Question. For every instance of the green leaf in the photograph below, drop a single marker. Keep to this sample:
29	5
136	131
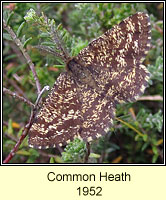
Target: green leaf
145	145
9	18
155	157
59	66
27	41
30	15
94	155
154	149
52	160
20	29
43	35
10	57
20	132
58	159
23	153
145	137
74	151
48	44
10	128
6	36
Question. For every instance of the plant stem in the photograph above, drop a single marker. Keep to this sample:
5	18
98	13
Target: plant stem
13	94
24	52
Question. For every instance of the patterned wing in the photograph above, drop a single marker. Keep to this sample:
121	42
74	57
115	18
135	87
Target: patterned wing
83	99
60	118
117	56
97	112
69	111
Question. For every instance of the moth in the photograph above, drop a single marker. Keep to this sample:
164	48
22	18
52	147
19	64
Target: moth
107	72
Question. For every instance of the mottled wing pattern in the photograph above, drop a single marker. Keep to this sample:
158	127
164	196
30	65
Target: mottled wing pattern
117	56
83	100
97	111
60	117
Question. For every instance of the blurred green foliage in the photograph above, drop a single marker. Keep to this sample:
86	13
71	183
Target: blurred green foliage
74	152
77	24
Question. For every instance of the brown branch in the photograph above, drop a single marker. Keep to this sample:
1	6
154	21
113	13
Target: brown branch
158	29
26	128
87	153
17	51
13	94
13	83
38	11
24	134
5	123
102	157
24	52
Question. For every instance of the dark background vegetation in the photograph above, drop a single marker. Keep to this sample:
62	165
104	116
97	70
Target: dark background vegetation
82	22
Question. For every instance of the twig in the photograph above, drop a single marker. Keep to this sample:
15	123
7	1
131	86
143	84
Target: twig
25	130
24	52
59	43
13	83
11	137
59	148
131	110
102	157
46	154
41	93
158	29
38	9
17	52
151	98
49	50
5	123
87	153
13	94
24	134
130	126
